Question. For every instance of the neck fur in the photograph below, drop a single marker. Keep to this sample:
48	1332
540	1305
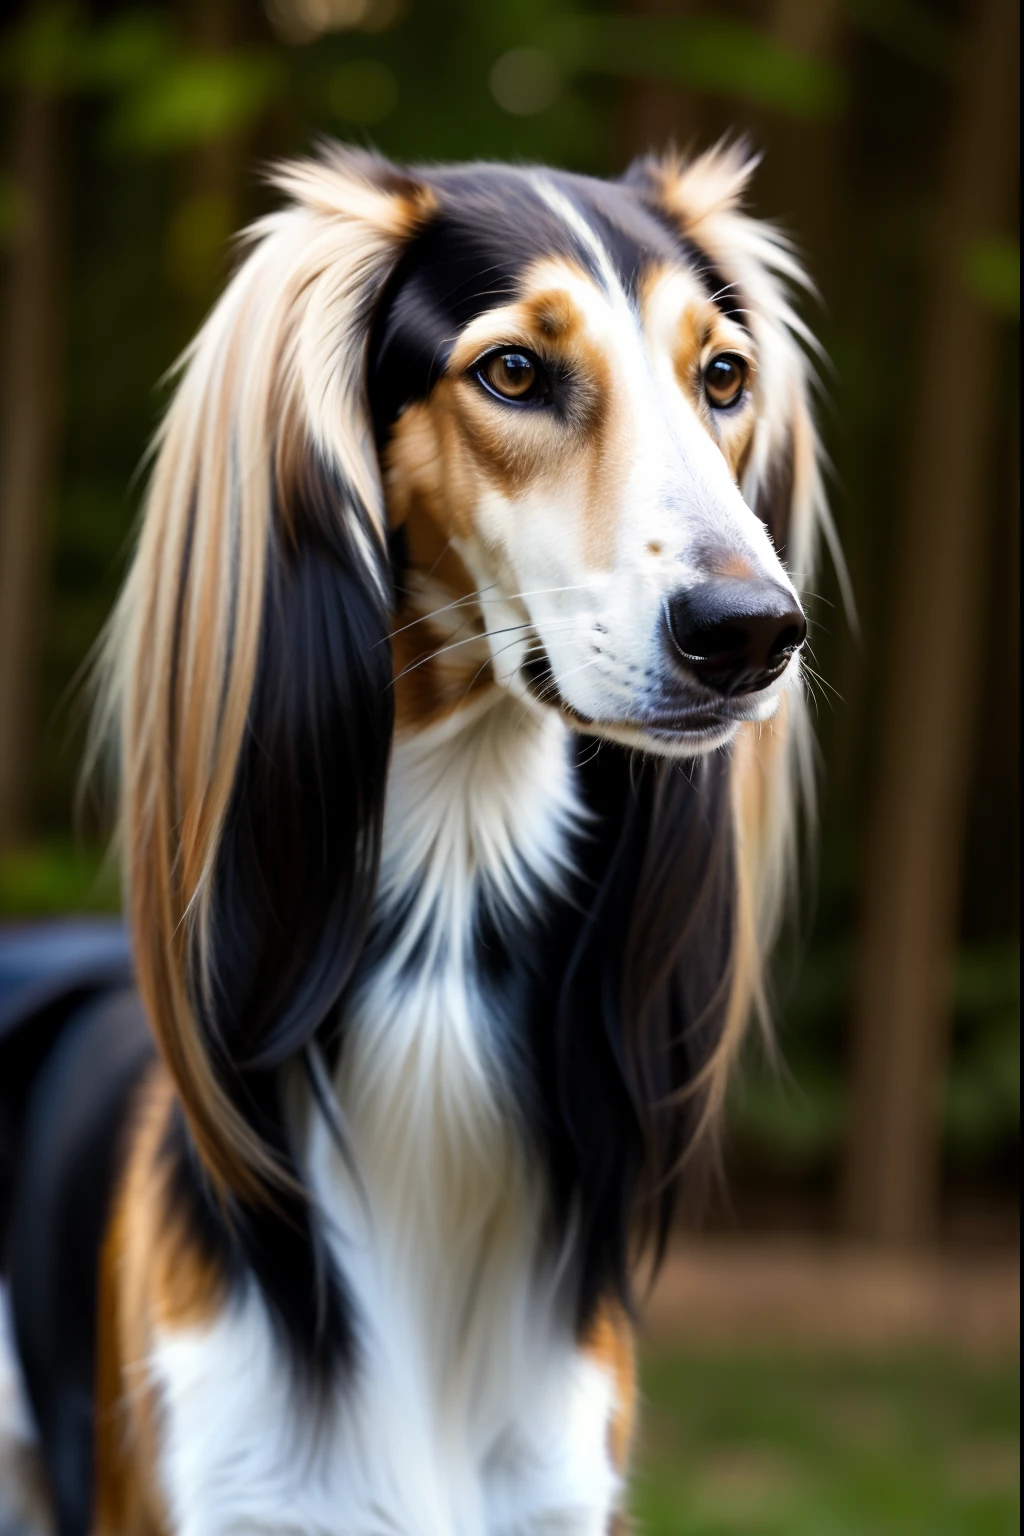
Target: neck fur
481	808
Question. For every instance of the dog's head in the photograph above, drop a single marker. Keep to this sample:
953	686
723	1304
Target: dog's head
573	414
587	393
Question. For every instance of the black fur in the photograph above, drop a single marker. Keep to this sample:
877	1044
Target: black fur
70	1155
613	1014
612	999
293	887
48	973
492	225
724	294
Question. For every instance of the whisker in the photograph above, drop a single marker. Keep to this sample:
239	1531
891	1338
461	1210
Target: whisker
455	645
725	288
460	602
822	681
545	694
486	634
534	645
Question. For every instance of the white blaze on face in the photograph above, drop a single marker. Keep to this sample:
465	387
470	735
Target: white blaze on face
627	511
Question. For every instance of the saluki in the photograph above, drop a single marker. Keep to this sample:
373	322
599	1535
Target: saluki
456	694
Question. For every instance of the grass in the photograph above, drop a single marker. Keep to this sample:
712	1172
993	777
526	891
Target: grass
55	878
797	1445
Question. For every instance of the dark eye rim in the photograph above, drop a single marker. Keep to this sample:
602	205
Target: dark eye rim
743	367
539	393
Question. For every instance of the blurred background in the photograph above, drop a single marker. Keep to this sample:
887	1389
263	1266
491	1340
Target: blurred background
836	1350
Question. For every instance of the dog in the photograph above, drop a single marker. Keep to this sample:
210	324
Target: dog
456	689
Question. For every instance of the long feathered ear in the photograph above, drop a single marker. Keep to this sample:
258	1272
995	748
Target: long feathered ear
781	477
781	480
249	665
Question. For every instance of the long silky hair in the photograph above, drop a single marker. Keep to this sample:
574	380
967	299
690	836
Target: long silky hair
247	676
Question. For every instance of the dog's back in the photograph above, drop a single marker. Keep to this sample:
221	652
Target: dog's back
73	1042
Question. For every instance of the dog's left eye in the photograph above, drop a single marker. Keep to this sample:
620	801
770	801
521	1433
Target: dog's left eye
724	380
513	376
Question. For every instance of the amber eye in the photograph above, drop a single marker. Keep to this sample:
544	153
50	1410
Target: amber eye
512	375
724	378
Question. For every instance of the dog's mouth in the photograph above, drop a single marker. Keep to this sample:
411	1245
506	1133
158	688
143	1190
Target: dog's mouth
686	731
674	723
693	723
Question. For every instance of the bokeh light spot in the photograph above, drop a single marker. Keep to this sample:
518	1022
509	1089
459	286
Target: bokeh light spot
525	81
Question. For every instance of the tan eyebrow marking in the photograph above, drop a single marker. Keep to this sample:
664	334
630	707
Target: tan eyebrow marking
553	314
547	308
691	338
684	324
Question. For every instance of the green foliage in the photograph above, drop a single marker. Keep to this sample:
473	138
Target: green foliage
992	270
194	100
769	1444
910	29
42	52
544	80
55	879
722	57
793	1116
362	91
126	51
13	208
163	96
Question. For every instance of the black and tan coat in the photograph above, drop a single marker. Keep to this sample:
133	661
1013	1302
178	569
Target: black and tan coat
456	693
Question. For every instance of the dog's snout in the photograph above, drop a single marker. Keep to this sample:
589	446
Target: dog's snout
736	636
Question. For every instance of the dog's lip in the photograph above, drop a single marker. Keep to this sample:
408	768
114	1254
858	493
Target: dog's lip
696	723
697	728
689	722
688	717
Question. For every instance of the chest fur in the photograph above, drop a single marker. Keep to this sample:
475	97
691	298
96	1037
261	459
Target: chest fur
471	1408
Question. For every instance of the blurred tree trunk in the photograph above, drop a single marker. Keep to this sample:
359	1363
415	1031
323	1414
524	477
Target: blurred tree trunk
930	669
29	418
797	182
208	209
654	114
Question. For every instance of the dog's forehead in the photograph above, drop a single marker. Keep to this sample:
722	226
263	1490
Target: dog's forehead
509	218
491	227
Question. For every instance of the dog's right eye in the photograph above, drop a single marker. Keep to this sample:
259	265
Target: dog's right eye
513	376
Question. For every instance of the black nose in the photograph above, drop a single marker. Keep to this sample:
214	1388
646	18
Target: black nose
737	636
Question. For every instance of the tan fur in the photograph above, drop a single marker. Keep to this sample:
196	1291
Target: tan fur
448	448
678	312
150	1275
705	196
438	665
276	371
770	763
272	375
713	183
610	1341
513	452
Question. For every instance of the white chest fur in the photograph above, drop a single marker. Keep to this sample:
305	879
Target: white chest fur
472	1411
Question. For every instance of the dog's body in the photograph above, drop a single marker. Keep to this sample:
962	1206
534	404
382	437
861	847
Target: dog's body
452	826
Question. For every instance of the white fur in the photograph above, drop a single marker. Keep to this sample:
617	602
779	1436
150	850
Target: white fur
601	620
473	1411
22	1506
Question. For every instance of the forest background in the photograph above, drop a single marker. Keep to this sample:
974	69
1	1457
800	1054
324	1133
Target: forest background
132	135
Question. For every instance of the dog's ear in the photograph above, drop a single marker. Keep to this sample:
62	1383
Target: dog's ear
702	199
781	480
249	661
